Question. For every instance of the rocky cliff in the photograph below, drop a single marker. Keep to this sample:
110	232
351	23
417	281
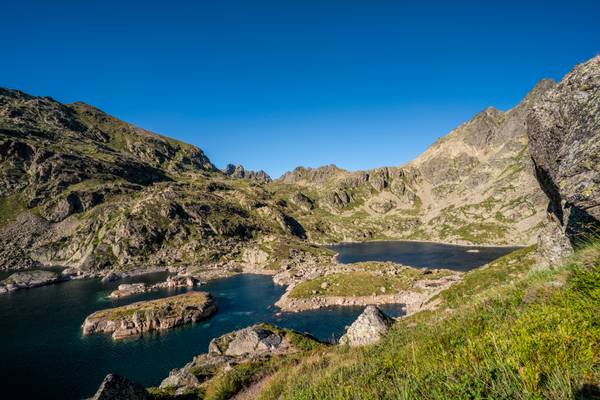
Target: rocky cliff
564	135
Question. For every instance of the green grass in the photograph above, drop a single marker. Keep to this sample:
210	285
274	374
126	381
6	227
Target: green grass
172	305
10	208
507	333
369	281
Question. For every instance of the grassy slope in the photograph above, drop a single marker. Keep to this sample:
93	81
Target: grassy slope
367	282
506	332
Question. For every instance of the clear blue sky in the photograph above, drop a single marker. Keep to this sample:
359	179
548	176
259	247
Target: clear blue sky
277	84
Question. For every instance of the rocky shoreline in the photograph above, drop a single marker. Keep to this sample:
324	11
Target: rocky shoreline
415	286
172	282
412	301
253	348
154	315
29	279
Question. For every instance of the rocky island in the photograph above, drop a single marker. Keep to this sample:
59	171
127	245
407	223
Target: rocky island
363	284
154	315
172	282
28	279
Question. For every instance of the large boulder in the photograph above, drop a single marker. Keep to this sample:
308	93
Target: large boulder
369	327
251	341
564	142
28	279
115	387
256	342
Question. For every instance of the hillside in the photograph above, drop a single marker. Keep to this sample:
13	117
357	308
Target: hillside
82	189
475	185
517	328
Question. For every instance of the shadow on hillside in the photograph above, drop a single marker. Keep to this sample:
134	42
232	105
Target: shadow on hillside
587	392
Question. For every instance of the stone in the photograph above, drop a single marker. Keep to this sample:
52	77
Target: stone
369	327
251	341
115	387
111	277
128	289
28	279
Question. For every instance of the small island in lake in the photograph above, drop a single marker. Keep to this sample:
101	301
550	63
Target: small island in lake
154	315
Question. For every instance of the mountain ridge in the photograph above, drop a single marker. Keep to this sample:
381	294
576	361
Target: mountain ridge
100	193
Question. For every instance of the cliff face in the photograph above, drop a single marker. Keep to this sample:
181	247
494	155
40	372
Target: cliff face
564	135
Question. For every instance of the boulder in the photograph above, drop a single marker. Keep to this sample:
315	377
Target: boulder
369	327
111	277
115	387
28	279
303	201
251	341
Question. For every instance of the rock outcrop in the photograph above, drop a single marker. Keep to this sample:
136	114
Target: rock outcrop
256	342
250	342
369	327
154	315
564	135
238	171
128	289
172	282
28	279
115	387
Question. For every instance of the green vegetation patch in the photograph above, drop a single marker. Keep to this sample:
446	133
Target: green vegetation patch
521	334
370	281
169	304
10	208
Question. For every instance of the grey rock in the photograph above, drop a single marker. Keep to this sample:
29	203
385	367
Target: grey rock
251	341
28	279
238	171
115	387
369	327
564	142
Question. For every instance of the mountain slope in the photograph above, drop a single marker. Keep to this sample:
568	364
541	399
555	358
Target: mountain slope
475	185
82	189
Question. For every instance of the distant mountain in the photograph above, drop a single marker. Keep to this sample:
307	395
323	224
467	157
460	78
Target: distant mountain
238	171
80	188
475	185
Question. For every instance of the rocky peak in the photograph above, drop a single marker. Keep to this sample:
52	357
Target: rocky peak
238	171
304	175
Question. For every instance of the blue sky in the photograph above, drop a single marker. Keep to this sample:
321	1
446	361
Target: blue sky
277	84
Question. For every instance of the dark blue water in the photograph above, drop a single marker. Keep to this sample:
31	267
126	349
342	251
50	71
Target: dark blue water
44	355
421	254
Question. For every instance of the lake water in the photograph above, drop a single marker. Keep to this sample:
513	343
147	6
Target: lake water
421	254
44	354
